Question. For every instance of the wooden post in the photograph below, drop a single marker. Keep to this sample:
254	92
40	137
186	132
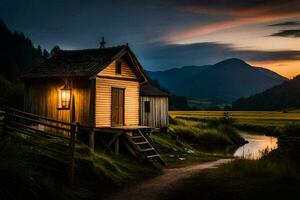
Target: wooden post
72	141
92	139
72	152
5	122
92	115
117	145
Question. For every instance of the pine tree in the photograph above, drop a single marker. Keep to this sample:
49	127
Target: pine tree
45	54
55	49
40	50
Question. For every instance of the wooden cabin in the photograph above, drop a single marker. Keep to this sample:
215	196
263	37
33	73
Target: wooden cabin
103	83
154	107
99	89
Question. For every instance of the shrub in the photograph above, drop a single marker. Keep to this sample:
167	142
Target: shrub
11	93
292	129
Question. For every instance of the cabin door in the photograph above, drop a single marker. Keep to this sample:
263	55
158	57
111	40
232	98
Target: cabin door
117	115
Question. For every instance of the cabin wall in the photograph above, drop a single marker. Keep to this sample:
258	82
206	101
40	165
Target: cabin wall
41	98
158	115
103	101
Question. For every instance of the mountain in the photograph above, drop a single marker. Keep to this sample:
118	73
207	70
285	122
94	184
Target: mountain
285	95
173	76
17	53
271	73
227	80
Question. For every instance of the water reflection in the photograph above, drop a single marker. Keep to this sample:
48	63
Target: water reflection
258	145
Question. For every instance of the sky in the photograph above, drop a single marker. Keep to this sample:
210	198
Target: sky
165	34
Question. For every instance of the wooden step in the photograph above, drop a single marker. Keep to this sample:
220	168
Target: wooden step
140	143
153	156
136	137
148	149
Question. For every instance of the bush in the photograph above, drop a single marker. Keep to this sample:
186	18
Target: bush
12	94
292	129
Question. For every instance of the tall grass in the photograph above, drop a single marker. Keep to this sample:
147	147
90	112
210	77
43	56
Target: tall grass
30	173
292	129
219	133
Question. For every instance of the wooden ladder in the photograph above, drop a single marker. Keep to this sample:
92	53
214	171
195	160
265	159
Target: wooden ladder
143	147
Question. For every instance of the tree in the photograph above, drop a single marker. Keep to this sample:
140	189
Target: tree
45	54
17	53
39	49
55	49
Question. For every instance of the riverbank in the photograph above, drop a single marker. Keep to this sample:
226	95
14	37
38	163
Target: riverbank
275	176
189	142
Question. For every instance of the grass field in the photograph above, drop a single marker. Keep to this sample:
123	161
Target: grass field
272	119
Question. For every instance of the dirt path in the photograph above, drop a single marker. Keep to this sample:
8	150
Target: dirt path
153	188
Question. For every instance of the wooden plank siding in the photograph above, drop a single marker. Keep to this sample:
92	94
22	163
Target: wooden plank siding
103	101
126	71
41	98
158	115
108	79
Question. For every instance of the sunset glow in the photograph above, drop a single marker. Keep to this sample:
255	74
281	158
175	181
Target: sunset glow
286	68
168	34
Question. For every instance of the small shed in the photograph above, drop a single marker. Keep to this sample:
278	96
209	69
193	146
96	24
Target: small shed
154	107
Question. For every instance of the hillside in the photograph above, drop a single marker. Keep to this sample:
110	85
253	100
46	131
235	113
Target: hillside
17	55
226	80
286	95
271	73
176	75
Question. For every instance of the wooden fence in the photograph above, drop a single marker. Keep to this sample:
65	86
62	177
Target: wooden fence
2	113
51	135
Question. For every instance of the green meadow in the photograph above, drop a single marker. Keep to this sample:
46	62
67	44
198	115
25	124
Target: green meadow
270	122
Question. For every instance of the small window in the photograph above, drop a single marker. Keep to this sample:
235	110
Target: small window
118	67
147	106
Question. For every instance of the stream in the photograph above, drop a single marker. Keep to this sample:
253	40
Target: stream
257	146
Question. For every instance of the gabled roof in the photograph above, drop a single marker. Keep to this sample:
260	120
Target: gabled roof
80	63
150	90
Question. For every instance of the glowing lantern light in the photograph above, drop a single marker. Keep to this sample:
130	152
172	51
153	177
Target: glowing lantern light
65	97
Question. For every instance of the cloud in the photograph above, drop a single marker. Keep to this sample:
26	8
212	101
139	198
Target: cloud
235	14
167	56
287	33
290	23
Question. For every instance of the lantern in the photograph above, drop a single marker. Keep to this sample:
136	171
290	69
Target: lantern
64	97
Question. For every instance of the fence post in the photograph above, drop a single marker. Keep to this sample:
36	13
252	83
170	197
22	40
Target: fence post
92	139
2	114
5	121
72	151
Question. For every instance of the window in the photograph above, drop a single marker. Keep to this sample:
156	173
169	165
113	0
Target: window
118	67
147	106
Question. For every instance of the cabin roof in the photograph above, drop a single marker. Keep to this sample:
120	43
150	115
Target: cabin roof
150	90
79	63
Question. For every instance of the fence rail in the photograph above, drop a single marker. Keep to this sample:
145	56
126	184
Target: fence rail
54	136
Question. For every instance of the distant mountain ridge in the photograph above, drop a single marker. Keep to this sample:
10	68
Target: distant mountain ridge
227	80
285	95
